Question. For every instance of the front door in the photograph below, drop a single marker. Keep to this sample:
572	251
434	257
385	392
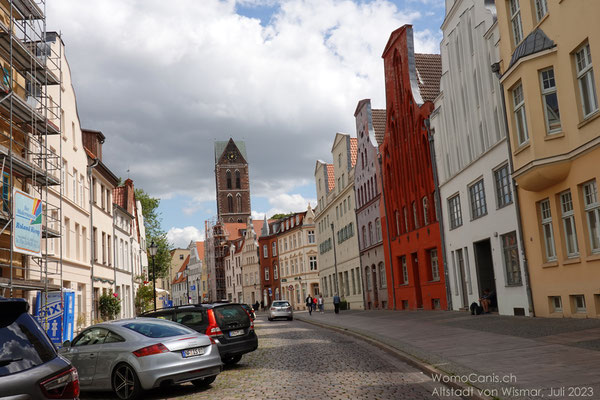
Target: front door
485	266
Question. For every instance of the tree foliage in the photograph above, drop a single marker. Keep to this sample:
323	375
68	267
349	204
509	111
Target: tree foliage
280	216
144	298
109	306
154	233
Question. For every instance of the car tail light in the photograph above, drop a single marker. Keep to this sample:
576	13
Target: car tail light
212	341
273	309
62	386
148	351
213	329
288	308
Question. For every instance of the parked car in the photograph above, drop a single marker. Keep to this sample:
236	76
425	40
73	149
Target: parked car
227	323
281	309
30	367
249	310
131	355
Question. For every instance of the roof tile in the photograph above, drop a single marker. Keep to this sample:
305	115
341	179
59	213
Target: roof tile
379	120
330	177
353	150
429	70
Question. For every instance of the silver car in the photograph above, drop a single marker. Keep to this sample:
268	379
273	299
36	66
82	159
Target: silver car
131	355
281	309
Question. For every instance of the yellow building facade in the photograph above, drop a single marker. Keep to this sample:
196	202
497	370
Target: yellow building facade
550	65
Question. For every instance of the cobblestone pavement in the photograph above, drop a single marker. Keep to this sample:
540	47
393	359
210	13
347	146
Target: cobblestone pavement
296	360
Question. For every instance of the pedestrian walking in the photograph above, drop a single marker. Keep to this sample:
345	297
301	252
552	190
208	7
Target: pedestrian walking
309	303
314	304
262	305
336	303
320	302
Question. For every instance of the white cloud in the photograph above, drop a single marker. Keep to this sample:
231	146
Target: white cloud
181	237
284	203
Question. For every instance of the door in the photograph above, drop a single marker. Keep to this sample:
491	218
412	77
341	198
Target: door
375	288
113	345
417	280
83	353
460	265
485	266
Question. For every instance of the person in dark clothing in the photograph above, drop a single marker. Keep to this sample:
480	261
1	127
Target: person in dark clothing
486	300
336	303
262	305
309	303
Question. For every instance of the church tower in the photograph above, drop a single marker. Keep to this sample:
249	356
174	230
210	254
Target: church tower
233	182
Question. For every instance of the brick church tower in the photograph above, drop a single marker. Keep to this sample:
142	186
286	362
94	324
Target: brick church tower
233	182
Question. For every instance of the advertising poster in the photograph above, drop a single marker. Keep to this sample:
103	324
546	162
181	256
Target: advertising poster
27	214
56	318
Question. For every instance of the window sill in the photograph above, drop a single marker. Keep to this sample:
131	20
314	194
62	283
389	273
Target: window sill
513	285
522	148
550	264
593	257
589	119
570	261
555	135
504	205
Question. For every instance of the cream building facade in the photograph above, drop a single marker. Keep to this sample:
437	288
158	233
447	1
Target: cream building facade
549	61
250	266
335	220
298	258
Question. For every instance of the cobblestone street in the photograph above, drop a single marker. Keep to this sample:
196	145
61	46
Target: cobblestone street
296	360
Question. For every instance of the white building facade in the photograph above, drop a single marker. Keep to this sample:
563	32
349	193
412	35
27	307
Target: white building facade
250	266
477	198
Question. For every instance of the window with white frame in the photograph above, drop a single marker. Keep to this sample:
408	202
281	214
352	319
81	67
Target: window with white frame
435	268
478	203
541	9
382	277
311	237
510	250
265	251
503	192
454	211
519	111
550	101
592	210
579	302
425	211
274	249
585	77
566	202
546	216
312	261
275	273
515	19
266	274
404	210
556	302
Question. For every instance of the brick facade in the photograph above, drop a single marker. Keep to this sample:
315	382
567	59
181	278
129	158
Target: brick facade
233	184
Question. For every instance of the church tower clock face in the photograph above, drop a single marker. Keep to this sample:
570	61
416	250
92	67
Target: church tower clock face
231	156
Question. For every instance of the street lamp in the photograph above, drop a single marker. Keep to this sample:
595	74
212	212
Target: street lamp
153	248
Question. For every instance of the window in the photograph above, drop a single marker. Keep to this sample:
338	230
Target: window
238	198
503	192
568	218
311	237
454	211
74	180
371	233
548	233
378	229
585	76
364	235
415	216
510	250
368	277
265	251
592	210
230	203
228	175
274	249
541	9
550	101
382	277
397	223
425	211
515	18
519	111
556	302
478	204
404	270
312	262
266	274
405	211
435	268
579	301
237	179
275	272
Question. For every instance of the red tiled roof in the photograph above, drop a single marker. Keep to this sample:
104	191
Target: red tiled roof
330	177
200	249
182	278
119	197
429	70
379	120
353	150
233	229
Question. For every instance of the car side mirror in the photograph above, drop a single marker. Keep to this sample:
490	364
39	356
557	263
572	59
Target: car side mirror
66	343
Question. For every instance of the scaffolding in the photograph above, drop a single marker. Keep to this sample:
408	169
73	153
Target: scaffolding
216	249
28	116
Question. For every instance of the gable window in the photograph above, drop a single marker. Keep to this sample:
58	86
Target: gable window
237	179
541	9
454	211
503	192
566	202
519	111
546	216
550	100
228	175
585	77
592	210
515	19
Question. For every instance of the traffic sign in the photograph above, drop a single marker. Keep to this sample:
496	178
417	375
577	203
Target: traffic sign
291	288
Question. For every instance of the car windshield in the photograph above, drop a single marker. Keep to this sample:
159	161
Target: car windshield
157	329
24	344
280	304
230	315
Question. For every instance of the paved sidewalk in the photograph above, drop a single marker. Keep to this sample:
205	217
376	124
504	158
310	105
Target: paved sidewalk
540	355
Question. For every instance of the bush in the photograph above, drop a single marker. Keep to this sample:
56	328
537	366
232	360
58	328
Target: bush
109	305
144	298
344	305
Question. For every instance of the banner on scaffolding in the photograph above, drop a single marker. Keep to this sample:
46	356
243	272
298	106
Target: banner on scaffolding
57	314
27	232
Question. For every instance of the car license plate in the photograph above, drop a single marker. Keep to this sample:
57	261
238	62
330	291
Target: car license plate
198	351
238	332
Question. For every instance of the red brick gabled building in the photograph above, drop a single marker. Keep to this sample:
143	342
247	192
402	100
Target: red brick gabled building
411	84
269	263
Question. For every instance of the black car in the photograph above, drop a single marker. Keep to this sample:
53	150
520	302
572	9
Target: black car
30	367
227	323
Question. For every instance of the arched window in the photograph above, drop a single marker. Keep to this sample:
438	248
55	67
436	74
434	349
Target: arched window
237	179
228	179
373	191
230	203
397	222
364	235
368	190
415	216
375	184
377	229
382	277
425	211
368	277
370	232
239	202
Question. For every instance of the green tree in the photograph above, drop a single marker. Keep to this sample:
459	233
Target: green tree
144	299
154	233
280	216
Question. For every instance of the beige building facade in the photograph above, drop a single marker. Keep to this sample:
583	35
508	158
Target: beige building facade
550	58
250	266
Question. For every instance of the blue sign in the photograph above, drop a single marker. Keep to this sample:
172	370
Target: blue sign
270	292
193	287
167	303
57	316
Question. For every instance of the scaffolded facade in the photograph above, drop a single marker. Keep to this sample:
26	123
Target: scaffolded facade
216	248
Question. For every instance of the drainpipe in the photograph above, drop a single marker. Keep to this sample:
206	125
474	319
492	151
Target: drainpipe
438	203
337	287
387	230
92	247
496	70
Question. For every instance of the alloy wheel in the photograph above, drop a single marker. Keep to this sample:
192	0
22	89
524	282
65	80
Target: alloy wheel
125	382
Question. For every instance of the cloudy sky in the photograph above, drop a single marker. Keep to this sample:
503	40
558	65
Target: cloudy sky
164	79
